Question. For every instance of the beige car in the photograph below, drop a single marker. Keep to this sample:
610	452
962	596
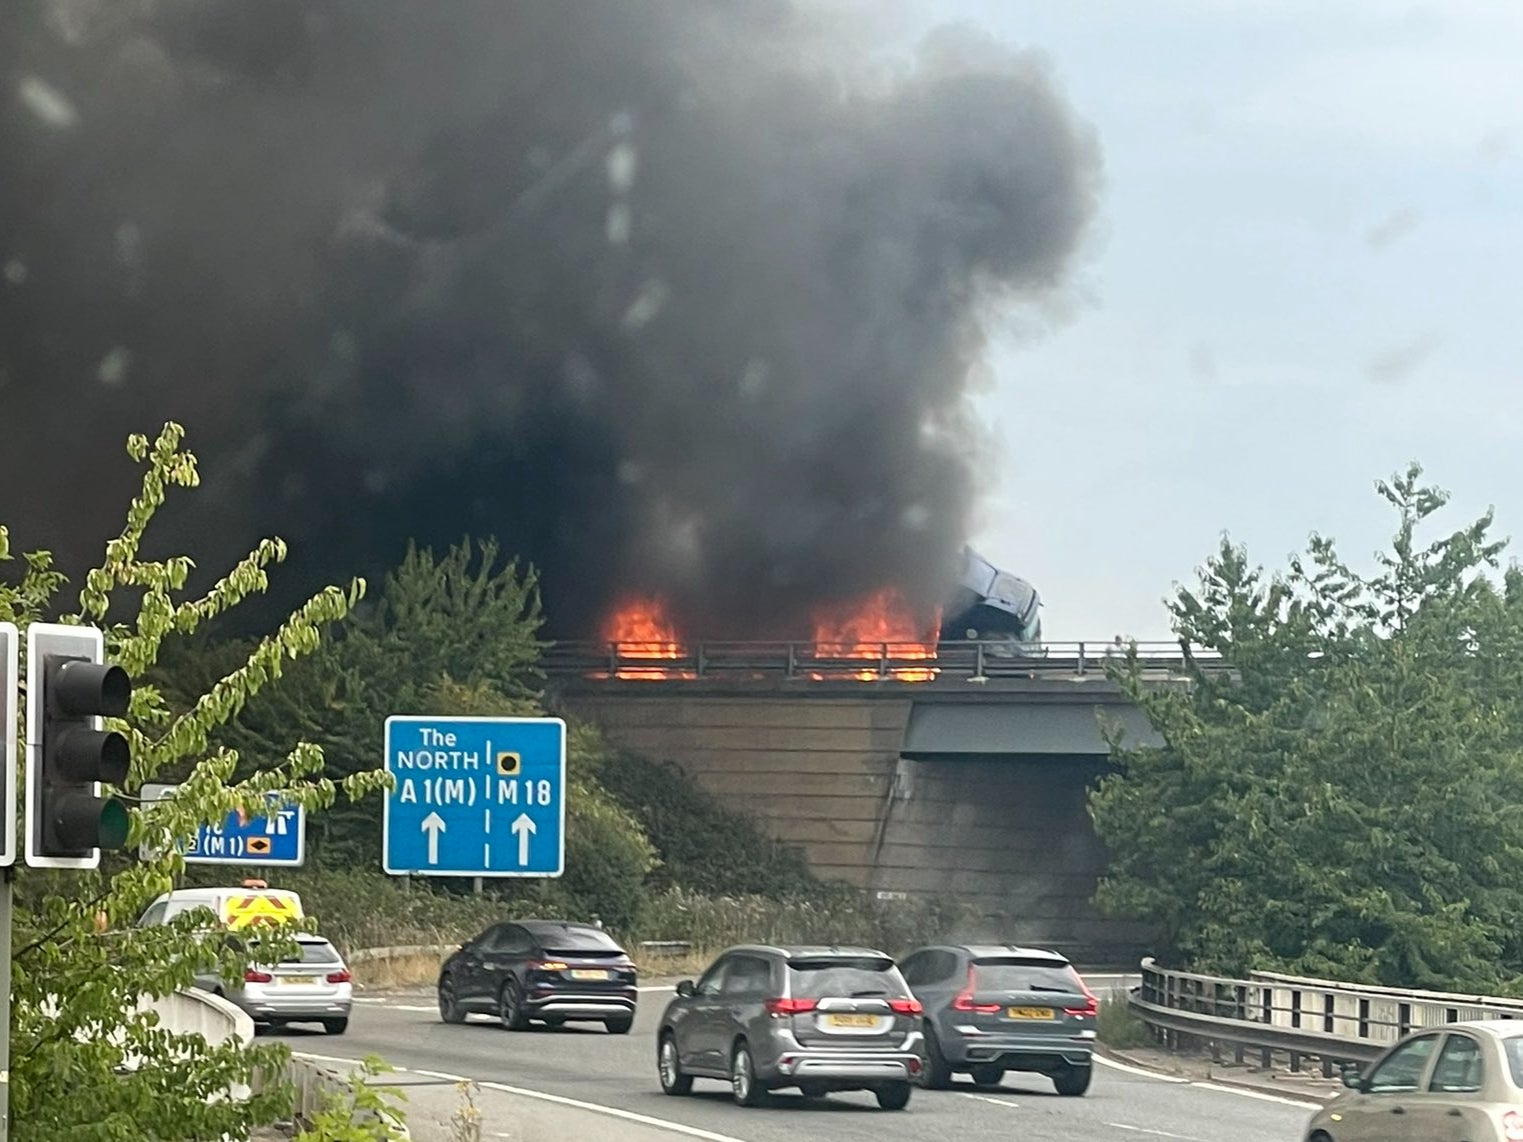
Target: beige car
1458	1083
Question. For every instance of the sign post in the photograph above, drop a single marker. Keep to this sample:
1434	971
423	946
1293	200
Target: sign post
277	838
477	797
10	677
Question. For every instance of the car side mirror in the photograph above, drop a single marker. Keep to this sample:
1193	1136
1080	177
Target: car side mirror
686	989
1351	1076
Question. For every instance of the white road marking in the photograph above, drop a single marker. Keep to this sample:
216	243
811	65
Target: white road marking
994	1101
542	1096
1104	1062
1154	1133
1262	1096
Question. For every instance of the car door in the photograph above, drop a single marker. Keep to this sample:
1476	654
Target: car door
504	957
469	973
1453	1109
1388	1098
698	1033
742	1008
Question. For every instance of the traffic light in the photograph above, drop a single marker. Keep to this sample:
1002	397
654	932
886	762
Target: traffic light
70	687
10	683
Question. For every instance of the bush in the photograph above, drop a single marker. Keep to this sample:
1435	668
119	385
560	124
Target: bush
837	914
1118	1025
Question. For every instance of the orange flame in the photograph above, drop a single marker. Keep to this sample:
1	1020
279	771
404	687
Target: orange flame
880	625
641	629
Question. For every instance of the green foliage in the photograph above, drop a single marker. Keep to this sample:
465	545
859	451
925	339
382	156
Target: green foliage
702	846
449	630
832	914
1118	1025
88	1059
363	1113
1344	802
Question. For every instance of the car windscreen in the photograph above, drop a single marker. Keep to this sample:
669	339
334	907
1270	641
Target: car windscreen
1013	973
839	977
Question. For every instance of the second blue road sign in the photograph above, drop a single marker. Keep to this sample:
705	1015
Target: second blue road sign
475	797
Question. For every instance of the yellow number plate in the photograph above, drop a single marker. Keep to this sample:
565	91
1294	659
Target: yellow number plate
588	973
298	980
1028	1013
853	1020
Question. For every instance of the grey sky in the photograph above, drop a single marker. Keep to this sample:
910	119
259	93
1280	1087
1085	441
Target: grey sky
1307	273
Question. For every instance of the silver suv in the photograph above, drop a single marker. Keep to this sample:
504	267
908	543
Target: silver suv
819	1019
992	1009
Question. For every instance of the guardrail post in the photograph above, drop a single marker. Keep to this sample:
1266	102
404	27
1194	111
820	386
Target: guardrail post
702	659
613	659
793	660
883	660
978	662
1081	658
1240	1011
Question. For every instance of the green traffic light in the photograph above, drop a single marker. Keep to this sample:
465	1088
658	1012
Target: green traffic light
113	824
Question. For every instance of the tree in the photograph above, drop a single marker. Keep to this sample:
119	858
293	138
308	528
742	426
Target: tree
87	1061
1342	800
462	620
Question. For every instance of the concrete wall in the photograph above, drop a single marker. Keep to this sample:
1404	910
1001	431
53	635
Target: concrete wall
816	771
1010	837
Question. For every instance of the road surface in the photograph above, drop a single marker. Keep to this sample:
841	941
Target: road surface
587	1066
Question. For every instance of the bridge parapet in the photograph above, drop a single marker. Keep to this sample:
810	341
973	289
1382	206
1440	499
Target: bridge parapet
902	662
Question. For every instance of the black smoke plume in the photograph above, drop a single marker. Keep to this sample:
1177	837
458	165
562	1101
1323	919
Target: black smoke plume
670	295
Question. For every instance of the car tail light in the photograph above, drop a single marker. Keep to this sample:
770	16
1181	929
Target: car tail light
964	1000
790	1006
913	1065
252	976
1091	1008
1512	1126
340	976
548	965
905	1006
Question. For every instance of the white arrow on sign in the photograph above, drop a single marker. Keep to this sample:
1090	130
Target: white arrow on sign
523	828
433	825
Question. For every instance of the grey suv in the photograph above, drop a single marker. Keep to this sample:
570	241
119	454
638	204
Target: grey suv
820	1019
992	1009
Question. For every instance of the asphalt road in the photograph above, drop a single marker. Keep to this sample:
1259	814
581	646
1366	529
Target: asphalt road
590	1066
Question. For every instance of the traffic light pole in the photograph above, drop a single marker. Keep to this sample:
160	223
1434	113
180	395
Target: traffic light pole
7	885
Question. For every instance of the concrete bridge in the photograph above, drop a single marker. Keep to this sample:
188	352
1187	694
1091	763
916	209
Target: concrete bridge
962	775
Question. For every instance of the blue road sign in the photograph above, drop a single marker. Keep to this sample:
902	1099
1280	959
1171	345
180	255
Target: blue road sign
277	838
475	797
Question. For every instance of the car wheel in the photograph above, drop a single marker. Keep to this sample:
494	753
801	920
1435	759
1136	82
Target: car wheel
1072	1081
510	1007
743	1085
814	1090
618	1026
937	1073
555	1023
449	1003
893	1096
669	1067
988	1075
336	1026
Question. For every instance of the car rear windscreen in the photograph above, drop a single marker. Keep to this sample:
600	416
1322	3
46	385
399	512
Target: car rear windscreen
579	942
1016	974
313	953
844	977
